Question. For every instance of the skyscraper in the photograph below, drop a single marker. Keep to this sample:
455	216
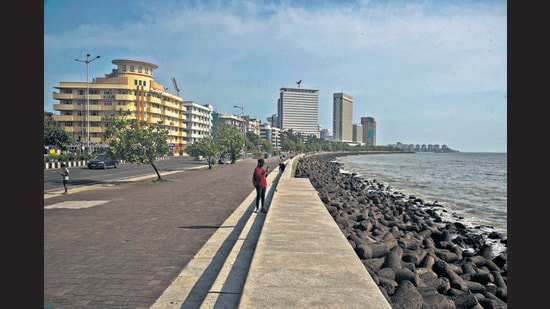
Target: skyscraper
369	131
342	117
298	110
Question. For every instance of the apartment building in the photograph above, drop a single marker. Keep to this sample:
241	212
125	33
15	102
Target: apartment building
342	117
198	121
85	107
271	134
298	109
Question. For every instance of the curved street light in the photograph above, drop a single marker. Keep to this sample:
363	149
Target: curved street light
87	61
244	129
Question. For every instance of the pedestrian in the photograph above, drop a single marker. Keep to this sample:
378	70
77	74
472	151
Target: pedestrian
282	164
65	173
260	183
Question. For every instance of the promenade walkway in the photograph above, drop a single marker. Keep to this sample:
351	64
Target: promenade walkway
196	243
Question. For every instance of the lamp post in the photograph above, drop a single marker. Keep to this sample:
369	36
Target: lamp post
244	128
87	61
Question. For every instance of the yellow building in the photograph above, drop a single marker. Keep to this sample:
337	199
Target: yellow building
131	86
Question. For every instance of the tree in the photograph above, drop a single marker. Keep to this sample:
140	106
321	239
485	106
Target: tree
54	133
229	139
205	147
136	143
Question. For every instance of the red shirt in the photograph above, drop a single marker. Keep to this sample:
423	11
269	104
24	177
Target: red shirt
259	178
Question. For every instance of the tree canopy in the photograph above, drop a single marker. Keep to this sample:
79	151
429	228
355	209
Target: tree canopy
54	133
133	142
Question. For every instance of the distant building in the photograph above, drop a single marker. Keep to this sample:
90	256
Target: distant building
271	134
369	131
298	109
199	124
358	133
342	117
325	134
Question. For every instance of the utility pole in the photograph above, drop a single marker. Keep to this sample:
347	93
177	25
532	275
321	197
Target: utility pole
244	128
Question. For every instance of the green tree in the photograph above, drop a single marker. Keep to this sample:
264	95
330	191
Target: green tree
229	140
136	143
54	133
205	147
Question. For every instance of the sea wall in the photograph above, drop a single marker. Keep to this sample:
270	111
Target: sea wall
416	259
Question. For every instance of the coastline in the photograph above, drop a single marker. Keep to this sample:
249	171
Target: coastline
411	253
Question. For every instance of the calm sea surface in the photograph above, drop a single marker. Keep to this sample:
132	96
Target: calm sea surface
472	186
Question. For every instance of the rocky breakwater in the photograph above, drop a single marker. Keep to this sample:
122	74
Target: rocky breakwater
417	259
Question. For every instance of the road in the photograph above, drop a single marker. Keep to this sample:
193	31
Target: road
82	176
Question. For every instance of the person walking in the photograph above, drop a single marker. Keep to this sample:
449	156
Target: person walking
65	173
260	183
282	164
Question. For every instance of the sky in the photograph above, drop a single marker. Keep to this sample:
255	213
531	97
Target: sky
429	72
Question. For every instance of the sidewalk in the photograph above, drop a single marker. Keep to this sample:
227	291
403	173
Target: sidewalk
121	246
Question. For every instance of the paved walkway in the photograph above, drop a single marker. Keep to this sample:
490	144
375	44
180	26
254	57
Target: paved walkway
122	245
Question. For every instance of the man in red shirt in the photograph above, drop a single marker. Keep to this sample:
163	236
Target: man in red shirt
260	183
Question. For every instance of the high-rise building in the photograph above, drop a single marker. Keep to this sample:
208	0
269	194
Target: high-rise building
298	109
369	131
358	133
342	117
131	86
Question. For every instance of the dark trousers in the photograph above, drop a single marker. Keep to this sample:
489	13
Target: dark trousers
260	195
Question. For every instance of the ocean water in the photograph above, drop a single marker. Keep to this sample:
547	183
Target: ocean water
471	186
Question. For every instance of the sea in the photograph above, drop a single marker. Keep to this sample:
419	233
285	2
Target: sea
472	186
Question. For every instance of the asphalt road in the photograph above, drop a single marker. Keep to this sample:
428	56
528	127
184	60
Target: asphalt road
83	176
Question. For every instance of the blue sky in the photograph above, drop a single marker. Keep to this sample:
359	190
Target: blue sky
429	72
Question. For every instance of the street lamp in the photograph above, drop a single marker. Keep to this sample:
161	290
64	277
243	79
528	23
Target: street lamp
87	61
244	128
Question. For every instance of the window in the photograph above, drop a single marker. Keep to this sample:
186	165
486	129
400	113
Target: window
140	69
132	69
123	68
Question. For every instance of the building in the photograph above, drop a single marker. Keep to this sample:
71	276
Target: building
358	133
369	131
271	134
199	121
342	117
325	135
131	86
298	110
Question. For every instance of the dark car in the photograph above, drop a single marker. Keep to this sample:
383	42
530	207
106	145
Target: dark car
102	161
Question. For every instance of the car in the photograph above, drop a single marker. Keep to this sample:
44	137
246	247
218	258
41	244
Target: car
102	161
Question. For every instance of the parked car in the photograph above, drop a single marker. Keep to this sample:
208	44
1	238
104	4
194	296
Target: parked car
102	161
